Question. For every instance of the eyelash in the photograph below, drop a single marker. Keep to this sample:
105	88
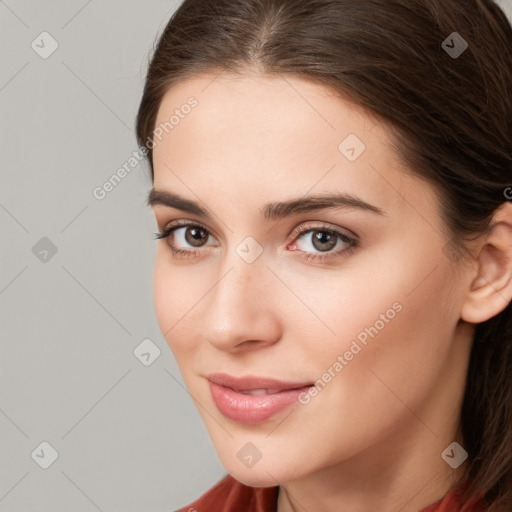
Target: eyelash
297	233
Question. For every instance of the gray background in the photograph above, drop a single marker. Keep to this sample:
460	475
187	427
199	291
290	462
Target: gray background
128	436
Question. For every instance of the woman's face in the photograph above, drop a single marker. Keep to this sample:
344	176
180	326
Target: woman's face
356	294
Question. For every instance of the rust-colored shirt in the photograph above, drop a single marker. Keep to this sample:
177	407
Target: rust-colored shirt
230	495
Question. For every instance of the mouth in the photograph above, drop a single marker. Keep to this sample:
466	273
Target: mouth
256	392
253	400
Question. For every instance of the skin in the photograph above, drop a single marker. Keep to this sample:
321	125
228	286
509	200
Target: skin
372	438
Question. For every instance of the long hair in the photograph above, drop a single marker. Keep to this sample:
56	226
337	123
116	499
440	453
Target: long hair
439	74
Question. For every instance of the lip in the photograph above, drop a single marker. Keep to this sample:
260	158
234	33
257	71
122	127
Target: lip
228	394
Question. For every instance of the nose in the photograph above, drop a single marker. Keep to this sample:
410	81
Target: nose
240	312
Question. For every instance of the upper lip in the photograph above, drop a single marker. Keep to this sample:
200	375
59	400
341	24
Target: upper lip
250	382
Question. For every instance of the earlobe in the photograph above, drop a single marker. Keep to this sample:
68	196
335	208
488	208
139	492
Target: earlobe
491	288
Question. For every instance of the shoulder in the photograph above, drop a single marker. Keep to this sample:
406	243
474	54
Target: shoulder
230	495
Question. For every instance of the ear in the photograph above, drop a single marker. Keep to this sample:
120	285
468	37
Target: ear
491	288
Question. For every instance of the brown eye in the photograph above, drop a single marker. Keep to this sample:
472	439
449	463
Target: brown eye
195	236
321	243
186	238
321	240
324	240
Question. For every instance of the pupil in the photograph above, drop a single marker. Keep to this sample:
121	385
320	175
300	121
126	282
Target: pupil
194	235
324	237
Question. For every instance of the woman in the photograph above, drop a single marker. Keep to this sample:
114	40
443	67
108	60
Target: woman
333	273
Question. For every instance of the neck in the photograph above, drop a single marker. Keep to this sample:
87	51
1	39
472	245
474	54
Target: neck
407	480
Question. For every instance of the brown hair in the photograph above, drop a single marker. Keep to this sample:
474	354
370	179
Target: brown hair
450	117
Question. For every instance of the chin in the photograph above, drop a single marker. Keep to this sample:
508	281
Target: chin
263	473
255	479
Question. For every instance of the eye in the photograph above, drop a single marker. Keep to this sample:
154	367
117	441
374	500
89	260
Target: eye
185	234
322	242
193	235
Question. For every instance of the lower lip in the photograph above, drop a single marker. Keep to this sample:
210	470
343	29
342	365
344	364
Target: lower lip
252	409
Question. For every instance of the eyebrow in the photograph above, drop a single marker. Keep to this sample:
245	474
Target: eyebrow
272	210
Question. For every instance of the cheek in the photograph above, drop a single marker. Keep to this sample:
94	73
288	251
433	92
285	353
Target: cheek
391	316
386	361
394	343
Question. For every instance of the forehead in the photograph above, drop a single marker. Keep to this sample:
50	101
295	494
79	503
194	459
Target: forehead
259	104
276	135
